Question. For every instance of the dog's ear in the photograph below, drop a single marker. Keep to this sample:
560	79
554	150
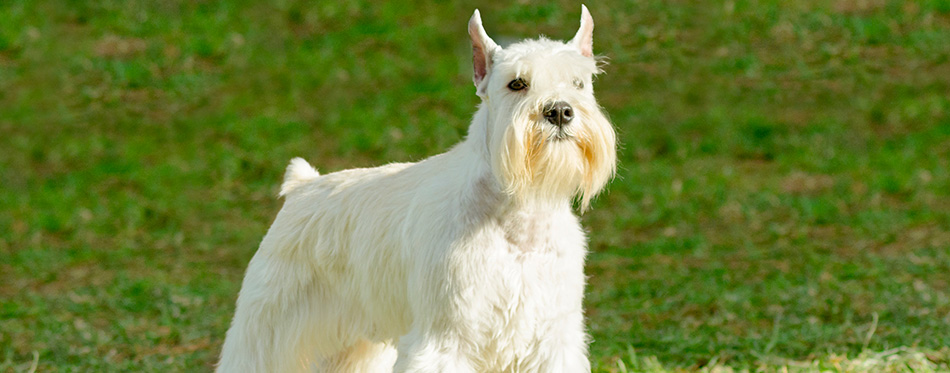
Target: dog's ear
482	50
584	39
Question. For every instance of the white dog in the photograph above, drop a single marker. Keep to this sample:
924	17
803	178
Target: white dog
468	261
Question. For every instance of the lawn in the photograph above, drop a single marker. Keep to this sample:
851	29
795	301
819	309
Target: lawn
782	199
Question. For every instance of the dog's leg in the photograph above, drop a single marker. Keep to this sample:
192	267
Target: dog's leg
362	357
570	362
273	327
568	350
418	354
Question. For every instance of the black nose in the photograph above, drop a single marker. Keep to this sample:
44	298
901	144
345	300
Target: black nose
559	113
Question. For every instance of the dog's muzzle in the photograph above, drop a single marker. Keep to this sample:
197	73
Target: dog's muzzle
559	113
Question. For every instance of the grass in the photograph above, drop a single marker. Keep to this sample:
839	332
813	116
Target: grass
782	202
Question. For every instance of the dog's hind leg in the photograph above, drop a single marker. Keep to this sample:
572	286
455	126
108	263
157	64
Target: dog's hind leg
274	326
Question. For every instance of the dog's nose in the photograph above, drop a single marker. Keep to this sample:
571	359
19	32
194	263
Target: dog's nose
559	113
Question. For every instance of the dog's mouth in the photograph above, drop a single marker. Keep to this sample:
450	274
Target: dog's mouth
560	136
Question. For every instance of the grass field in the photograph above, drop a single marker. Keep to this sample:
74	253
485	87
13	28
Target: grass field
782	201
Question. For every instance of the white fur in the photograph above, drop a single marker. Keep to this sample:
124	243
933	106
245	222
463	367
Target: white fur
468	261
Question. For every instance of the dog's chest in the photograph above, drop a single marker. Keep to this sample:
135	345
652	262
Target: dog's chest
533	285
530	233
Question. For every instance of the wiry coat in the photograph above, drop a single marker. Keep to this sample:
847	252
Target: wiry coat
468	261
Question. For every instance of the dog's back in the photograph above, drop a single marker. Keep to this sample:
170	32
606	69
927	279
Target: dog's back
327	286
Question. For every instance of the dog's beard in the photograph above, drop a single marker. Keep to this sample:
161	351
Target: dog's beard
535	160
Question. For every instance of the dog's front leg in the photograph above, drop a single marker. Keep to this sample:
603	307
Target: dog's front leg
568	349
419	353
566	344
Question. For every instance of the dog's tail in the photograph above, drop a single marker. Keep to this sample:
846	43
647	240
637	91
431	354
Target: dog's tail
299	172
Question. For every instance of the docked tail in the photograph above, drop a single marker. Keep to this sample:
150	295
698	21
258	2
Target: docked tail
299	172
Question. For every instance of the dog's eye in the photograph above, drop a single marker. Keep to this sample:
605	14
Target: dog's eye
517	84
579	84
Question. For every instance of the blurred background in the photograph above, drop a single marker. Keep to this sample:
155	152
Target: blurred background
783	196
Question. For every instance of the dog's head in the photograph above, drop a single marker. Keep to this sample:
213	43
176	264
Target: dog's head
546	134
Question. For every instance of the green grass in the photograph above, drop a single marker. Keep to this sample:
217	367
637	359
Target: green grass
782	202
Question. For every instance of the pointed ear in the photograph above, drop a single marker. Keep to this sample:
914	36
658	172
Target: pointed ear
584	39
482	49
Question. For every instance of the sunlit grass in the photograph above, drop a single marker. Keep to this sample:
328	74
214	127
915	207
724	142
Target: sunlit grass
782	202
